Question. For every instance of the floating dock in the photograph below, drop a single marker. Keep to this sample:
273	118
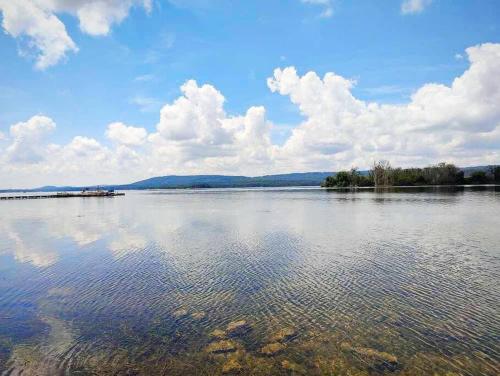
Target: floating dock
63	195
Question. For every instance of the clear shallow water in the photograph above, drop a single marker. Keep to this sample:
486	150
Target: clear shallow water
401	282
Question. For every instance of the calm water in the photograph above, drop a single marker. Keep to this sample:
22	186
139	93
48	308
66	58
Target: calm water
339	283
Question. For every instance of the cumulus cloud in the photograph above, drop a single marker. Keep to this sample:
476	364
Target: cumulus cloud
457	123
27	138
97	16
414	6
46	33
37	21
83	147
340	129
195	132
196	116
126	135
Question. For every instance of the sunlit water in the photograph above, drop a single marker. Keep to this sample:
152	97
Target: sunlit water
404	282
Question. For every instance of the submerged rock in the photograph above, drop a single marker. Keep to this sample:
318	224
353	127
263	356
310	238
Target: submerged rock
198	315
239	327
272	349
345	346
374	354
217	333
377	359
284	334
180	313
293	367
231	366
223	346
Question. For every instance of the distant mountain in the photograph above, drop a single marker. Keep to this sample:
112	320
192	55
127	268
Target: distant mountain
203	181
224	181
218	181
468	171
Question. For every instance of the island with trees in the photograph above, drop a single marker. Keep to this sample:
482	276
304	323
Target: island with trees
383	174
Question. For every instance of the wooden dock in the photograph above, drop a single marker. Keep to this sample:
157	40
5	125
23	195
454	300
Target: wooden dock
60	195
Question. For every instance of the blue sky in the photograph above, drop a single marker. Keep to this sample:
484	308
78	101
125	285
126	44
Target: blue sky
128	74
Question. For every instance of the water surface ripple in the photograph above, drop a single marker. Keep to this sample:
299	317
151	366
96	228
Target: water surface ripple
402	282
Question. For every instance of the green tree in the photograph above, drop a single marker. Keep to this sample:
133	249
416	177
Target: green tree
495	174
343	179
479	177
330	181
351	178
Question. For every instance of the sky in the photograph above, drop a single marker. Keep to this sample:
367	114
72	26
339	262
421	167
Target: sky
114	91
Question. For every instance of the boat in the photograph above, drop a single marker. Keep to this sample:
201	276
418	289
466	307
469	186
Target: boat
98	192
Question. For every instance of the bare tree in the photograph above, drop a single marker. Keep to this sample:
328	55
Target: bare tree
382	173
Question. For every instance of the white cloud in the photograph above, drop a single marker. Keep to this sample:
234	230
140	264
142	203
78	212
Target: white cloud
126	135
196	116
196	134
27	137
46	33
37	20
84	147
459	123
414	6
96	17
34	127
340	129
326	4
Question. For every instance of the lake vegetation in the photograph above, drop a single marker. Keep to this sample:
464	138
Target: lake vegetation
383	174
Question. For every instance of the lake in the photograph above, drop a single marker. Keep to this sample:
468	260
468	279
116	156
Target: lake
256	281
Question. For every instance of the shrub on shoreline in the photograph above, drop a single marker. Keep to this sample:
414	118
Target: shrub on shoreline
384	175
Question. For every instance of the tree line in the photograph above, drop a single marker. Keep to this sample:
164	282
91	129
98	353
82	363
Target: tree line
383	174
